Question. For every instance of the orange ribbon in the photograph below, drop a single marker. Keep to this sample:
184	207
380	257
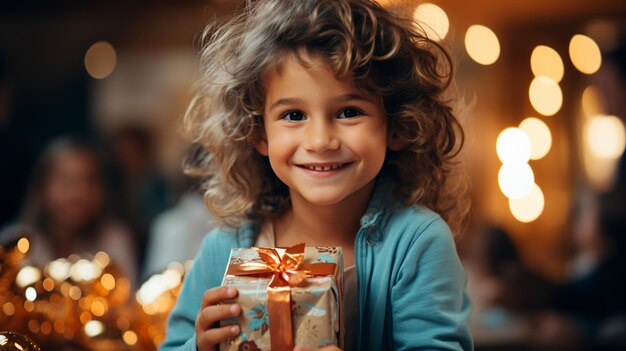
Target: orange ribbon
287	270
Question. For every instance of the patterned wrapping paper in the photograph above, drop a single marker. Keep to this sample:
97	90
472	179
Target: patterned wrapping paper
315	304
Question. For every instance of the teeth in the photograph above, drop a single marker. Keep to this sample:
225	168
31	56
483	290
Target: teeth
323	169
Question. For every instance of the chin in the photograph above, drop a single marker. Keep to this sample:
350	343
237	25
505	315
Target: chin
321	200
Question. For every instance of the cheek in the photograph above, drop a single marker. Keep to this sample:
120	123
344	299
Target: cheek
93	198
373	145
54	194
281	145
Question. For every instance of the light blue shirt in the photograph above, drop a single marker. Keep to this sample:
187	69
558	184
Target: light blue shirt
411	282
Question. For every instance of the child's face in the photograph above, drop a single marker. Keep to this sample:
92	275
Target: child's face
325	139
73	192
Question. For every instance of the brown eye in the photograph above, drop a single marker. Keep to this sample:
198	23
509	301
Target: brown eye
349	113
294	116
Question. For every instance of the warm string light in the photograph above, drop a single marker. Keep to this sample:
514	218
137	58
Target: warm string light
545	61
585	54
603	140
540	136
605	136
528	208
516	177
532	140
482	44
433	20
156	301
545	95
85	300
100	60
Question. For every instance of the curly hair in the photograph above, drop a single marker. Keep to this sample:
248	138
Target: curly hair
379	51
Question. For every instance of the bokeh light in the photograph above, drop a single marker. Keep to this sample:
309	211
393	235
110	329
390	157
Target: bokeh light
27	276
592	104
606	136
48	284
433	20
94	328
545	96
482	44
108	281
23	245
540	136
46	327
100	60
99	307
130	337
30	294
75	293
585	54
545	61
158	284
85	270
513	146
101	259
59	269
528	208
515	180
8	308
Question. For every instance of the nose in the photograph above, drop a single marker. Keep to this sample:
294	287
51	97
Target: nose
320	136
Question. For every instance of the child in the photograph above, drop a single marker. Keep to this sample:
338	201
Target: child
324	125
67	208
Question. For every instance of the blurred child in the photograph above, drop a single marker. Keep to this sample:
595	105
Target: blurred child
66	210
325	124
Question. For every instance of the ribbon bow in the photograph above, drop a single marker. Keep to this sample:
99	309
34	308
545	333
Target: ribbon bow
287	270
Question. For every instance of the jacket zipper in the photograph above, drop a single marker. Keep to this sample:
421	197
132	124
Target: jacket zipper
360	287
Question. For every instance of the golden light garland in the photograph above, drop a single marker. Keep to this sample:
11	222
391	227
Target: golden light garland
83	302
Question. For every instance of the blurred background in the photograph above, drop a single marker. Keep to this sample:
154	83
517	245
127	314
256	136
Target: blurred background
97	221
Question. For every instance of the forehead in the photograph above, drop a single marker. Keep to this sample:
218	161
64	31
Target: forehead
73	160
301	72
301	58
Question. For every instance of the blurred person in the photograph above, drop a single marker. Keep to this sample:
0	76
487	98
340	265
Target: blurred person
590	308
520	289
505	292
67	210
177	233
592	301
143	191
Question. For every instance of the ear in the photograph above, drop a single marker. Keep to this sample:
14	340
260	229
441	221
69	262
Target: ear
394	143
261	146
259	138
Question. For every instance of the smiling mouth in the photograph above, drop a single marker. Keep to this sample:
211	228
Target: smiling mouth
325	168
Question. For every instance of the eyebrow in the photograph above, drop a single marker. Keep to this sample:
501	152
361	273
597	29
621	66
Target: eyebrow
341	98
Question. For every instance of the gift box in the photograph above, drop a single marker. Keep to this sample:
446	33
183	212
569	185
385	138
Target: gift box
287	296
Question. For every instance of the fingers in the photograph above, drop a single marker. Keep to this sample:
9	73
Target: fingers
213	337
216	295
325	348
213	314
208	332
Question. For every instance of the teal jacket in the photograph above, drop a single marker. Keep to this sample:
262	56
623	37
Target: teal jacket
411	281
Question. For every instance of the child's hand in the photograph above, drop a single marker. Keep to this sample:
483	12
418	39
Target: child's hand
208	332
325	348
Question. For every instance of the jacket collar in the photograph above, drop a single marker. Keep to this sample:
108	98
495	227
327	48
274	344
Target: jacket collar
380	200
